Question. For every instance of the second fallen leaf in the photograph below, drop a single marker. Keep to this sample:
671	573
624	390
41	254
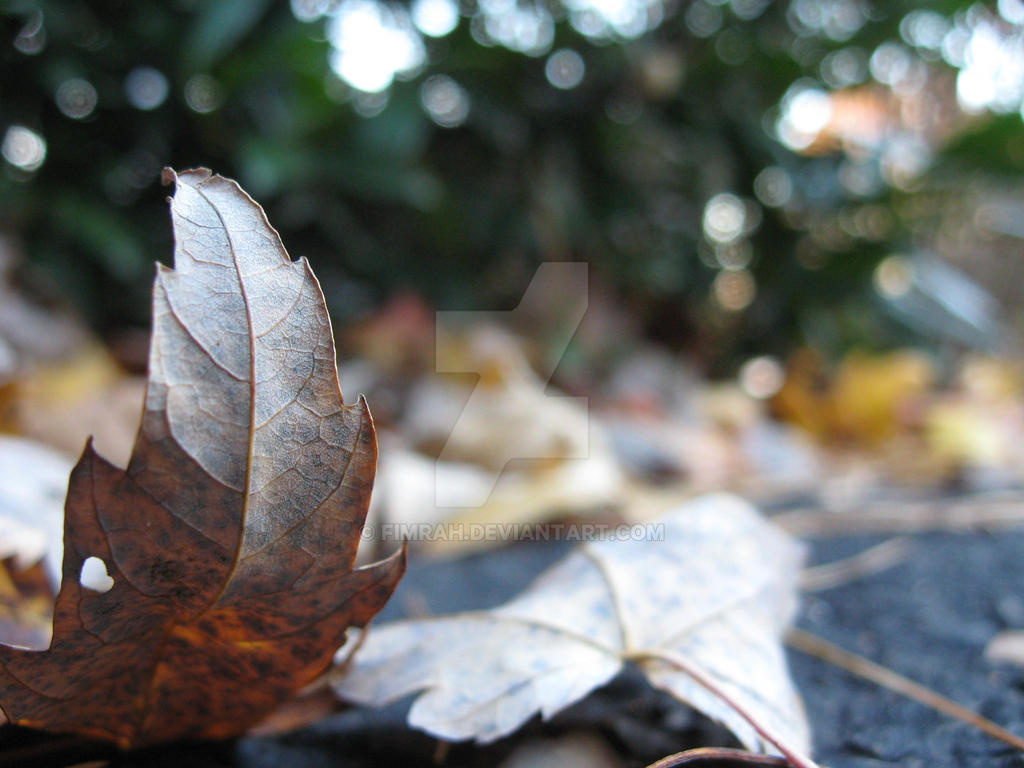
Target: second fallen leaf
699	603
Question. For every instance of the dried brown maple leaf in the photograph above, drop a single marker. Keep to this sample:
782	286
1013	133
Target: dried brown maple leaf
231	536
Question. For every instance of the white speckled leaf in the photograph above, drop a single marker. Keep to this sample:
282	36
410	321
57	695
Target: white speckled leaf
701	610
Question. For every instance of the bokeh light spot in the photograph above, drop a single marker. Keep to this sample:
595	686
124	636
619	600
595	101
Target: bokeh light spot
894	277
76	98
370	104
146	88
762	377
836	19
1012	10
773	186
31	38
608	19
925	29
565	68
203	94
845	67
529	29
309	10
445	101
890	63
734	291
703	19
806	111
23	148
435	18
373	43
724	218
748	10
735	255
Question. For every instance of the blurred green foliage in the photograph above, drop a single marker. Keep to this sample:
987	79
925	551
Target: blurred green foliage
615	172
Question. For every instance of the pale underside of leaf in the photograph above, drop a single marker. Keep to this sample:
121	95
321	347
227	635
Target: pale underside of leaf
264	416
718	591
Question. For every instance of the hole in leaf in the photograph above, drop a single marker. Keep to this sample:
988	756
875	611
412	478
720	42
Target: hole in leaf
94	575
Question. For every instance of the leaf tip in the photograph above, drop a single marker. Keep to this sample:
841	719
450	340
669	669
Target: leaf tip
88	451
170	176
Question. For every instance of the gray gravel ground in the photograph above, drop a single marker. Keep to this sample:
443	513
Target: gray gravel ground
929	618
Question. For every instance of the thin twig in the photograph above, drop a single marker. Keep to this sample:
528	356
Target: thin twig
716	754
865	668
987	512
867	563
683	665
441	751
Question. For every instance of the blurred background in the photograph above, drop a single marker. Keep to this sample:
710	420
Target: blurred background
742	176
802	222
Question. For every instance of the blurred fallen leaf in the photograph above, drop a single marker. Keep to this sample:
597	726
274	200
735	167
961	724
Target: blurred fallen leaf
700	606
399	338
26	605
522	497
406	498
961	434
870	398
574	750
406	487
504	449
35	481
873	396
977	426
729	407
65	402
509	414
803	398
1007	647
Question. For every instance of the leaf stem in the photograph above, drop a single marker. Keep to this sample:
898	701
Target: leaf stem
683	665
716	754
618	604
